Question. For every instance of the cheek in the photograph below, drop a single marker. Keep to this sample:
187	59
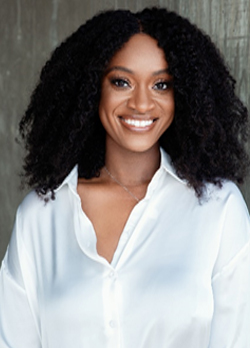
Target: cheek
110	103
104	102
107	100
106	111
169	109
104	107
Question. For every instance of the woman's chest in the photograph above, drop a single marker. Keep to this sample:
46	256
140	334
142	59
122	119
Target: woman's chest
160	286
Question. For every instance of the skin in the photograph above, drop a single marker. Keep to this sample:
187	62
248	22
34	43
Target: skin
136	107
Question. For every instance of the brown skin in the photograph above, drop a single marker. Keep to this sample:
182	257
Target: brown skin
136	86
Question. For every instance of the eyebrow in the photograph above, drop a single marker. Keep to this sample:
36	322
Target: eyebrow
162	71
121	68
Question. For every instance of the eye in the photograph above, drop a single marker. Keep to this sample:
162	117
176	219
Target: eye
120	83
162	85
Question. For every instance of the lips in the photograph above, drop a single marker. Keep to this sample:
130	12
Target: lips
136	123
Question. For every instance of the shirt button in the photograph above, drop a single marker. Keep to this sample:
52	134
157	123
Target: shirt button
112	323
111	274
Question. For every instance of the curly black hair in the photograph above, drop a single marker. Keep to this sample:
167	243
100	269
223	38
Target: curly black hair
61	127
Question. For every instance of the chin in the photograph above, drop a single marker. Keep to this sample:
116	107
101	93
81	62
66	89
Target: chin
140	147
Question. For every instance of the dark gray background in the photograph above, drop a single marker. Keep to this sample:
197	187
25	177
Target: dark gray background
31	29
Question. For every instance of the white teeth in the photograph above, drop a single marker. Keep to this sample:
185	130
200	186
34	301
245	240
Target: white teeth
138	123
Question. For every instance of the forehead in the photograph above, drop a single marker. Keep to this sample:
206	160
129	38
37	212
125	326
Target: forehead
140	52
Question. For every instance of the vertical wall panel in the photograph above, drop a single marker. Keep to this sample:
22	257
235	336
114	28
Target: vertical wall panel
30	30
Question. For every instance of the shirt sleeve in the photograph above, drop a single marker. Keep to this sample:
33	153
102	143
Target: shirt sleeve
231	289
231	281
17	323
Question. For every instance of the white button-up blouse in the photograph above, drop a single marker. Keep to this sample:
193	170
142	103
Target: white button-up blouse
180	276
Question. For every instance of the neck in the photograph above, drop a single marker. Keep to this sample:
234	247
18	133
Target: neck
132	168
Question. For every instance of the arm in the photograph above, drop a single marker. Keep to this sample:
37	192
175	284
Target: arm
231	279
231	289
18	328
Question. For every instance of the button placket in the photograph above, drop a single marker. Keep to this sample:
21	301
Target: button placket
111	275
126	236
112	324
111	308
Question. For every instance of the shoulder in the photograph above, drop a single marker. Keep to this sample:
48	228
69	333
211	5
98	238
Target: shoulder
228	196
235	231
39	225
37	215
31	202
230	204
34	203
32	207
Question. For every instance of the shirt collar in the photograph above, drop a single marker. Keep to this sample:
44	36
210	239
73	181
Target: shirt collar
70	180
166	164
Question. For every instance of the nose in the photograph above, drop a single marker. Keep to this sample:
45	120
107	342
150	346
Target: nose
141	100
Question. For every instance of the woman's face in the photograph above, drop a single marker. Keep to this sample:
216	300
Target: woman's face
137	99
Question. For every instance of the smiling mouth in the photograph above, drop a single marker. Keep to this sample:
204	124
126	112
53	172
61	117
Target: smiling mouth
137	123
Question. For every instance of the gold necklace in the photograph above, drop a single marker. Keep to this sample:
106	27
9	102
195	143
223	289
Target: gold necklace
123	186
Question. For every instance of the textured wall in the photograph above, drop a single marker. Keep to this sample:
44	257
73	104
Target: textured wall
29	30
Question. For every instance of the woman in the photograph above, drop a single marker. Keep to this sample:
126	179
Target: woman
135	234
